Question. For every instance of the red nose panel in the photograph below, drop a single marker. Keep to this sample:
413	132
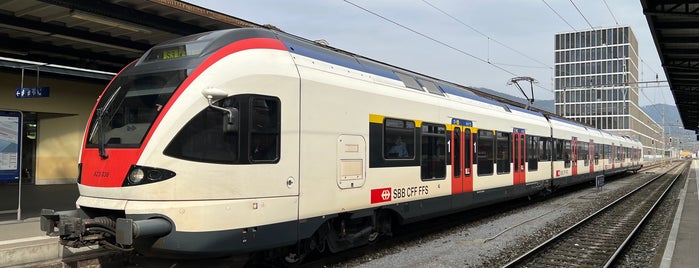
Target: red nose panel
109	172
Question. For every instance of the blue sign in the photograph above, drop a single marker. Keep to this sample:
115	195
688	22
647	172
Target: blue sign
519	130
31	92
10	145
461	122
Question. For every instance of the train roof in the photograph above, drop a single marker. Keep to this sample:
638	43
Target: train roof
326	53
350	60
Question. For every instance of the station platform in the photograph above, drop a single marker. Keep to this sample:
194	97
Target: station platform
22	243
683	241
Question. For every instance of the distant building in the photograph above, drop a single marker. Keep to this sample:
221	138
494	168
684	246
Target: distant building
596	84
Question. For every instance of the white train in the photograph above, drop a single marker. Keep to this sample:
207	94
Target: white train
243	140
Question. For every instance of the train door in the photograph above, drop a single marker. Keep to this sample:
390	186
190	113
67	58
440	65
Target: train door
591	155
519	155
276	174
574	156
461	155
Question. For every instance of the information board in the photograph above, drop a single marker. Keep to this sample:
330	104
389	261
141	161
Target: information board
10	145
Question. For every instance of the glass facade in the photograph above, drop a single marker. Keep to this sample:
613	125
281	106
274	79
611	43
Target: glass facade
596	83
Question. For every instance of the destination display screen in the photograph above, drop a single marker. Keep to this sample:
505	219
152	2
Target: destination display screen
176	51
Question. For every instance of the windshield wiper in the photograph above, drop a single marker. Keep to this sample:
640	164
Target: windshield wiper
101	112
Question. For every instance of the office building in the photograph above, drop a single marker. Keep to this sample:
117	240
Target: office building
596	83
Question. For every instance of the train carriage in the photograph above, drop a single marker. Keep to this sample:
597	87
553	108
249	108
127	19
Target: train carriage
237	141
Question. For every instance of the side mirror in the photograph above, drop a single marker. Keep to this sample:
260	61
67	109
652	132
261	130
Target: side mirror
214	94
230	122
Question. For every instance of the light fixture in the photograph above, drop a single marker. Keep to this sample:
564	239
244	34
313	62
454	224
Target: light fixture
23	29
92	42
14	52
112	22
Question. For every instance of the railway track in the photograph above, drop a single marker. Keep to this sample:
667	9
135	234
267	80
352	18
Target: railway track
598	240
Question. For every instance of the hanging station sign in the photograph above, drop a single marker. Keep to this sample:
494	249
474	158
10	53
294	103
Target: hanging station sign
31	92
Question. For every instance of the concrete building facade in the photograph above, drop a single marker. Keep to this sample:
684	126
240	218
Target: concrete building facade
596	83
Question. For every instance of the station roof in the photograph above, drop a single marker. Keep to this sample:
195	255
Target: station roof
674	25
102	35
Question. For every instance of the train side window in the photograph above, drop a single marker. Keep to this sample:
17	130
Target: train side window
456	160
503	152
558	149
468	146
566	154
583	152
399	139
433	160
485	151
598	153
264	129
544	149
532	153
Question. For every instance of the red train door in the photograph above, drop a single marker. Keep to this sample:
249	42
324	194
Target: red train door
591	155
519	155
574	156
461	155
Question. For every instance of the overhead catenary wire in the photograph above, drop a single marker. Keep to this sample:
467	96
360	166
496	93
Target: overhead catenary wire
486	36
497	66
610	12
581	14
559	15
430	38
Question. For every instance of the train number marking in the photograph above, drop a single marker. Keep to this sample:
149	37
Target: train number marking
101	174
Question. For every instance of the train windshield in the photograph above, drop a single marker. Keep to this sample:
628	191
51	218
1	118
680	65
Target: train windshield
129	107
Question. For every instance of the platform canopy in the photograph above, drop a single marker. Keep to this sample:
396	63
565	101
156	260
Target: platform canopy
674	25
102	35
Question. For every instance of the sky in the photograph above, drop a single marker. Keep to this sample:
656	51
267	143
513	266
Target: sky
476	43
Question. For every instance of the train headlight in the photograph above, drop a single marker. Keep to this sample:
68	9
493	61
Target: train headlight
136	175
139	175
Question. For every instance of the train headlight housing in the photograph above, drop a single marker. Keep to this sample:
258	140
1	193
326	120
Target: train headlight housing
136	175
139	175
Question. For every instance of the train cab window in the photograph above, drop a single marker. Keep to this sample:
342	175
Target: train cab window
486	152
264	129
433	159
503	152
532	153
255	141
399	139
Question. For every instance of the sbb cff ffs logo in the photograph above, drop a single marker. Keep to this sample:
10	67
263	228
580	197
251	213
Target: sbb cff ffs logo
380	195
